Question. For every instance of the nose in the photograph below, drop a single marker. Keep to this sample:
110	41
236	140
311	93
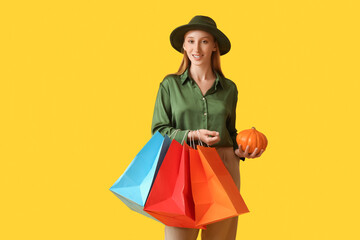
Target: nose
197	46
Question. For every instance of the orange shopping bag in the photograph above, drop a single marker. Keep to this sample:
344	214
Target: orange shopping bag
215	194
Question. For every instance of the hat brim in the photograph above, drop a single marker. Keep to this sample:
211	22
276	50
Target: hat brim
177	36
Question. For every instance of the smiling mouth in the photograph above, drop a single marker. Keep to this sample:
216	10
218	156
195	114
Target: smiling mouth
197	56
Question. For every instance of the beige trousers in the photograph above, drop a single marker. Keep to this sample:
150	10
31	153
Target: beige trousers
223	230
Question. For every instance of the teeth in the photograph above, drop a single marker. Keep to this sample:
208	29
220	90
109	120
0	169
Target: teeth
196	56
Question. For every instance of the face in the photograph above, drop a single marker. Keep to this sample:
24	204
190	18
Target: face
199	46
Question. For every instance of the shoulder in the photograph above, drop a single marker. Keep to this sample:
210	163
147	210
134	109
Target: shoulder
229	84
169	78
169	81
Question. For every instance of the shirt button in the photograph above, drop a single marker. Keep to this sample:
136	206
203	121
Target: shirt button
203	98
204	114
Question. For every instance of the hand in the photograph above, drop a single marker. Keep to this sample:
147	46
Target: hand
240	153
206	136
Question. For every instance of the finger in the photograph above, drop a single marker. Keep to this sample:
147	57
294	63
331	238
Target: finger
212	133
240	149
240	152
247	151
254	153
208	140
213	140
237	152
261	152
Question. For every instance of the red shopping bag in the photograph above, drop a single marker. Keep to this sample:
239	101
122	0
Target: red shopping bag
170	199
215	194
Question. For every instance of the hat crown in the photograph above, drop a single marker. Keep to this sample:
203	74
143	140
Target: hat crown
203	20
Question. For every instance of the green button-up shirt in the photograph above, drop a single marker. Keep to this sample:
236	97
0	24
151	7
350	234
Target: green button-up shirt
181	105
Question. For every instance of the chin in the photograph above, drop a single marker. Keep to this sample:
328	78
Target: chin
199	63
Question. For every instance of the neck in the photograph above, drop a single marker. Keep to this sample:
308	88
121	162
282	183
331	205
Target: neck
201	73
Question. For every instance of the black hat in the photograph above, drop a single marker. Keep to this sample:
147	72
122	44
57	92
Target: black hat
200	23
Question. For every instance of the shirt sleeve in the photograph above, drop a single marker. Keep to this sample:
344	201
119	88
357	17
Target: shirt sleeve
232	129
232	122
161	121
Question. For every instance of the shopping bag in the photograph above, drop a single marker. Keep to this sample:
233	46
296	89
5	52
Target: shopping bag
170	199
215	194
134	185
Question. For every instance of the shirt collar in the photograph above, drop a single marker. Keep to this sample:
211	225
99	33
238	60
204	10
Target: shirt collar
218	81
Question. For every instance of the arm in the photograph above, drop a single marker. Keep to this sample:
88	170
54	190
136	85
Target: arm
232	122
162	115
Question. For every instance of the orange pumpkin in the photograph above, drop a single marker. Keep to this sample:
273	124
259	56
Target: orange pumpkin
253	138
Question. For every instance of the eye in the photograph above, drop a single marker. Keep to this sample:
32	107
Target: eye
190	41
205	41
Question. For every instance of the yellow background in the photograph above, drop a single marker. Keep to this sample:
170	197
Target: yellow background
77	92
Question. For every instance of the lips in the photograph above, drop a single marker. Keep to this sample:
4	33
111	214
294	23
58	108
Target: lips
197	56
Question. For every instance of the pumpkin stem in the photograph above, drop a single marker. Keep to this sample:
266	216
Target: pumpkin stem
253	128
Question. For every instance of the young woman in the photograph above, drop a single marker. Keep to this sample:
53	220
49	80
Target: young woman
200	103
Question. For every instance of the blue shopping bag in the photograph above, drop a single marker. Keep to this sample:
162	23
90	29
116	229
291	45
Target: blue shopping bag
134	185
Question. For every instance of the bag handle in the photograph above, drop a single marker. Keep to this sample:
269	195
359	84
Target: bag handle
176	131
192	142
200	142
182	142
